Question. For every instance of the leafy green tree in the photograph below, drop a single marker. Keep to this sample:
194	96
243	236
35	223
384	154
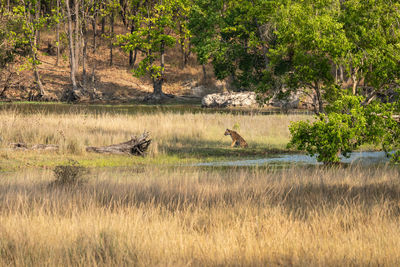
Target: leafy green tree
332	134
8	51
25	22
111	8
347	125
155	31
235	36
7	46
372	29
368	34
129	10
182	10
310	38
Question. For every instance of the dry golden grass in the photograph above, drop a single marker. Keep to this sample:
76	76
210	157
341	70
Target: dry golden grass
236	217
150	215
74	131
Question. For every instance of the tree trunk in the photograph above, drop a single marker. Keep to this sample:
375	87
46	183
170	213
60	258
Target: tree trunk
76	39
137	146
38	82
84	52
355	80
37	16
70	93
203	66
94	45
162	59
264	47
111	37
185	49
182	43
188	52
319	98
6	85
132	57
103	24
58	33
132	54
336	73
157	83
35	70
341	73
122	12
33	49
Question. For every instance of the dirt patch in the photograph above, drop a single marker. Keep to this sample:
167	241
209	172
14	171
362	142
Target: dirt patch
114	83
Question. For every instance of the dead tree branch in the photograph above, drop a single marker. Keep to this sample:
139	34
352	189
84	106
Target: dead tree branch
137	146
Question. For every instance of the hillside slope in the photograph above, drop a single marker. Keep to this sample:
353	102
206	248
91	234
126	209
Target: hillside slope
115	83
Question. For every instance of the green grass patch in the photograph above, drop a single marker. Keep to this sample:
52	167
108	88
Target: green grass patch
13	160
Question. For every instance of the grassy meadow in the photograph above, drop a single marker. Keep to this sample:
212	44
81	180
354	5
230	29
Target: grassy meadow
176	137
158	210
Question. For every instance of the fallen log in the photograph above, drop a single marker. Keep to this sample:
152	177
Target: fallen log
137	146
21	146
24	146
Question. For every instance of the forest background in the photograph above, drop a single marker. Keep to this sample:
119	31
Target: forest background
180	205
344	55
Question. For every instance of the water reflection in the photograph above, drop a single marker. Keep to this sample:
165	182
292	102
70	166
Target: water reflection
364	158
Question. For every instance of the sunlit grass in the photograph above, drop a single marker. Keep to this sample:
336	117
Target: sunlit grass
175	137
160	210
155	216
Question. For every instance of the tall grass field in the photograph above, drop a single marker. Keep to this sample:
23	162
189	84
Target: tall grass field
59	209
195	217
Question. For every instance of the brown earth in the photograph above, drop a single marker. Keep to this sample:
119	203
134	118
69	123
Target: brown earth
115	83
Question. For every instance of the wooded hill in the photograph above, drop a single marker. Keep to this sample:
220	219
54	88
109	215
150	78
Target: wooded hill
323	48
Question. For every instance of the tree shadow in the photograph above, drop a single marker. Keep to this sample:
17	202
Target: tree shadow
301	201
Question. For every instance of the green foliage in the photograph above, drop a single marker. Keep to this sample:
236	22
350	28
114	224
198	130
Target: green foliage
23	22
230	35
347	126
372	29
155	28
280	47
7	48
332	134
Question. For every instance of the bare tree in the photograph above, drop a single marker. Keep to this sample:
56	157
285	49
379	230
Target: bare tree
77	35
70	94
94	20
111	36
58	33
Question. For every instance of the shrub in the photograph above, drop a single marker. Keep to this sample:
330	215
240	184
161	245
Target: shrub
347	125
69	175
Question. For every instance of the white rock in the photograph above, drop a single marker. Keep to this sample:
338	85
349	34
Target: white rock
242	99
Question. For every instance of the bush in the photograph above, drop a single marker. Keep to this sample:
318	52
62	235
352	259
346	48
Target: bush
347	125
69	175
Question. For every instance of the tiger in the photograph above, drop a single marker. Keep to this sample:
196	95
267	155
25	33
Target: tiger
236	139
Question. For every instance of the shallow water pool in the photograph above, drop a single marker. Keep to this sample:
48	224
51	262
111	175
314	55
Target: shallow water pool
366	158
